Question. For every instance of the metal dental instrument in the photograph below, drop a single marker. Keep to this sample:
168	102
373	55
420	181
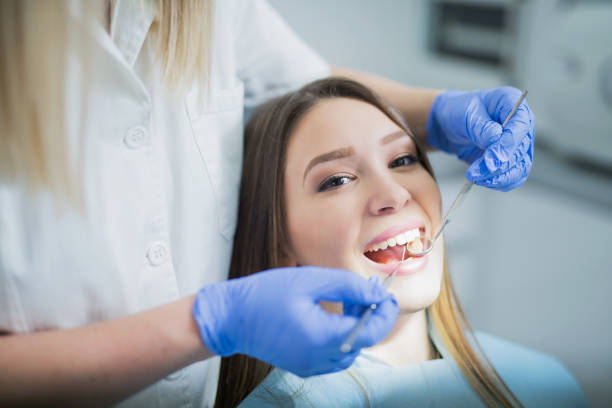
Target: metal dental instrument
427	243
350	340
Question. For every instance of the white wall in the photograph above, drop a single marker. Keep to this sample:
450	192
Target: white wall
533	265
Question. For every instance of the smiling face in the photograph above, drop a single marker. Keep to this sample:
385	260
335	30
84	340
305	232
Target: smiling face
353	188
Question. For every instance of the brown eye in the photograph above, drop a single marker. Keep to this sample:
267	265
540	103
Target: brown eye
334	182
404	161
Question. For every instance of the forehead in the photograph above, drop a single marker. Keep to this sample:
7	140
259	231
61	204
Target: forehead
340	122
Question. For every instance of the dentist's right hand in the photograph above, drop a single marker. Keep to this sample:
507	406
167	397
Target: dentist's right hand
275	316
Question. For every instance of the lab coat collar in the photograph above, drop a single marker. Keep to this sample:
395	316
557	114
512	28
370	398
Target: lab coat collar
131	22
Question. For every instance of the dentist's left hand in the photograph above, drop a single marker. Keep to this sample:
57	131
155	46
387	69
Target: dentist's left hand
468	124
275	316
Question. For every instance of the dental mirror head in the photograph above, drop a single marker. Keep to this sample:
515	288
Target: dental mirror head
419	247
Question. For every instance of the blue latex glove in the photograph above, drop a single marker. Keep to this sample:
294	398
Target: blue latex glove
468	124
274	316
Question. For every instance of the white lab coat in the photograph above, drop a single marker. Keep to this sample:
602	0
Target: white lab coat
160	177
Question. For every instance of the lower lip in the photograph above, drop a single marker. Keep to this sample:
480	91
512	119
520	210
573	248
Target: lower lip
409	267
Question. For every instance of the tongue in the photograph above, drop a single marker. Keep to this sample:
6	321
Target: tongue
385	256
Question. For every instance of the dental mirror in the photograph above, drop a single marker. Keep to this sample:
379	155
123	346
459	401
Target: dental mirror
429	243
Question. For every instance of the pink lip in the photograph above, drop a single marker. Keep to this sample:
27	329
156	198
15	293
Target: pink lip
409	267
393	231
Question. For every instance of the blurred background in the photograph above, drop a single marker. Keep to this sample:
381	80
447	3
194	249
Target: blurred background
531	266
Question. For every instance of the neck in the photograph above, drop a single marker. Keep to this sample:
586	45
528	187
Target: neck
408	343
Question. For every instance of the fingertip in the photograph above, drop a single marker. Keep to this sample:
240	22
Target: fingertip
346	363
483	168
510	179
473	172
348	357
380	324
375	280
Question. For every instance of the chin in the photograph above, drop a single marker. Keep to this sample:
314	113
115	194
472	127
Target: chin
418	292
417	302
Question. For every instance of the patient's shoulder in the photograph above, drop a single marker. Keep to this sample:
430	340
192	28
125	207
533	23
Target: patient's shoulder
282	389
537	378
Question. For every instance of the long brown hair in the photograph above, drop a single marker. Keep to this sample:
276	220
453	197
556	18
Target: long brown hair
261	235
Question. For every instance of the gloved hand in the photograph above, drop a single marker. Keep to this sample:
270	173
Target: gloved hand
274	316
468	124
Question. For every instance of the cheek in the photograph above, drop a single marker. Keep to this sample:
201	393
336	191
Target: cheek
320	232
428	196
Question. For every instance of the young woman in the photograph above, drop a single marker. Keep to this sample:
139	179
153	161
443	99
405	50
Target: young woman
333	177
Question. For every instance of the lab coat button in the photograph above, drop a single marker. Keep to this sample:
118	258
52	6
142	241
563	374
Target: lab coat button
136	137
157	254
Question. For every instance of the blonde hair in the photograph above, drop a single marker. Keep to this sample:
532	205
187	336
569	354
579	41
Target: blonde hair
35	39
184	42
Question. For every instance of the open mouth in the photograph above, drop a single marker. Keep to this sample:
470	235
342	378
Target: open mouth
390	250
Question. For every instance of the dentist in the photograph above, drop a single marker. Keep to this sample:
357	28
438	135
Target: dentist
120	161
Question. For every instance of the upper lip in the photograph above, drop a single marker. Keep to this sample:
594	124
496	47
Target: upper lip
395	230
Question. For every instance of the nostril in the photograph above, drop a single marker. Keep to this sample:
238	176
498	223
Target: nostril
386	210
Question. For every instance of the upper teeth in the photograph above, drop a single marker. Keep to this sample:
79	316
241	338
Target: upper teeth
400	239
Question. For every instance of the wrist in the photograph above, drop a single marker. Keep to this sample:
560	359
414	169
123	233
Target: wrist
443	112
435	137
210	313
193	340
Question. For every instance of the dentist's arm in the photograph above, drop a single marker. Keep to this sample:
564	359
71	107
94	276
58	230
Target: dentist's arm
274	316
466	124
98	364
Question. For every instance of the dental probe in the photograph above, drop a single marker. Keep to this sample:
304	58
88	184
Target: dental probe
428	244
350	340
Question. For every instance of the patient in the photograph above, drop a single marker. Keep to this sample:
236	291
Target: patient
333	177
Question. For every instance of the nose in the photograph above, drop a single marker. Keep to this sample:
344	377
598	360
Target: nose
388	196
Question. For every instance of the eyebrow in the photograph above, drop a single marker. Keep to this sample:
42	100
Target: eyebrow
348	151
393	136
333	155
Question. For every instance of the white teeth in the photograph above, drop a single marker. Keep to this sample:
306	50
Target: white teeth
399	239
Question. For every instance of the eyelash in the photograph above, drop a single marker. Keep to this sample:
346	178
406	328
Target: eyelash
330	183
411	158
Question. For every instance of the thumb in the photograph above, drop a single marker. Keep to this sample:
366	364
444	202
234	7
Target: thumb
350	288
484	131
350	309
379	325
